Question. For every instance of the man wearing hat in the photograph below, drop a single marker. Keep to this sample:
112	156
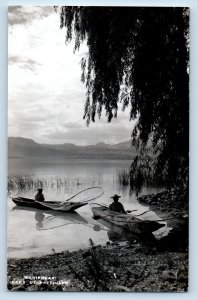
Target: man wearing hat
39	196
117	206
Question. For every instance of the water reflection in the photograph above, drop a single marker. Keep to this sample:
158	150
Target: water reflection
119	234
49	219
39	217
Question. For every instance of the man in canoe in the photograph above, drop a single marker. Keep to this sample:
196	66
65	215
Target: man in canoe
39	196
117	206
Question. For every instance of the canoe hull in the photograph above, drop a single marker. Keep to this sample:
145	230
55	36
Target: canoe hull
51	205
129	222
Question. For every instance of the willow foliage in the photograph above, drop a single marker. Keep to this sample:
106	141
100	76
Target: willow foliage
138	56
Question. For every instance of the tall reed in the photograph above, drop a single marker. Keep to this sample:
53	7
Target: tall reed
28	183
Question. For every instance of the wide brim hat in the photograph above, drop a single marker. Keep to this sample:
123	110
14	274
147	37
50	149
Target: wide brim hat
115	196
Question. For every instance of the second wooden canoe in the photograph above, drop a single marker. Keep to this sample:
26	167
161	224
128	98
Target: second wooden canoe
128	221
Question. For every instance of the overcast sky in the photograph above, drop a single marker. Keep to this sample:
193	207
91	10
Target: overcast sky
46	97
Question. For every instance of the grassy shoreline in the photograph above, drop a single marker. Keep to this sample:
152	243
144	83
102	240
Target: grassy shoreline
107	268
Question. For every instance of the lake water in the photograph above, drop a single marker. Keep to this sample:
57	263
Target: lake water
32	232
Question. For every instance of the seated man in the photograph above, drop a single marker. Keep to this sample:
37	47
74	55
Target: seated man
39	196
117	206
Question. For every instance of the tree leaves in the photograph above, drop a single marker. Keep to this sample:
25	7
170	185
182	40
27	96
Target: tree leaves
138	56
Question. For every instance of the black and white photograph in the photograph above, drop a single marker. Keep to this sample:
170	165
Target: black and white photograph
98	149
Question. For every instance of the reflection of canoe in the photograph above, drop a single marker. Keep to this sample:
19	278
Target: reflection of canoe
64	216
54	205
51	219
127	221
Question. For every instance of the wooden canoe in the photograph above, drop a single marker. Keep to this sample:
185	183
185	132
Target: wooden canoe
54	205
127	221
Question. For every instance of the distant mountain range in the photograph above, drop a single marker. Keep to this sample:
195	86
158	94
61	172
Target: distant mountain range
27	148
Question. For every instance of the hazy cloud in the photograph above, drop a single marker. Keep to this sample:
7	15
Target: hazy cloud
72	125
22	62
109	134
26	14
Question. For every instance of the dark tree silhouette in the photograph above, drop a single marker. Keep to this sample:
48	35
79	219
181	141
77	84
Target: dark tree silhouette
139	56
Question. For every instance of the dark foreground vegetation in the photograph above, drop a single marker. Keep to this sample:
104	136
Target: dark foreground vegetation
151	266
109	268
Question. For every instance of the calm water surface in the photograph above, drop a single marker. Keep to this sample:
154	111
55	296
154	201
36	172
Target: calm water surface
33	232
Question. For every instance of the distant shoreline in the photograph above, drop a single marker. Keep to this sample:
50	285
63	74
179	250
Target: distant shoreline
16	157
31	158
29	149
